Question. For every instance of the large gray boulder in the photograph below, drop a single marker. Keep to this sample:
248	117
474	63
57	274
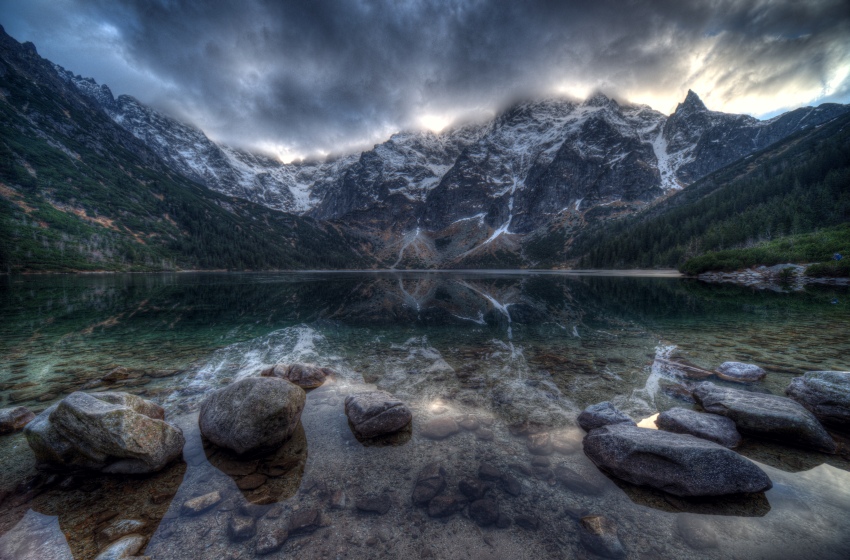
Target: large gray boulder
826	394
602	414
766	416
253	414
740	372
110	432
712	427
676	463
306	376
376	413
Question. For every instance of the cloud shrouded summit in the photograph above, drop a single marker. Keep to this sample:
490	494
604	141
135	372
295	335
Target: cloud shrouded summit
328	75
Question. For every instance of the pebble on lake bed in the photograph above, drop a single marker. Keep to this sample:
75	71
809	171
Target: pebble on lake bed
14	419
197	506
599	535
373	414
440	427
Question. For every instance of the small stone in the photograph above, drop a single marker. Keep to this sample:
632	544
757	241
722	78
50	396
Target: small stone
470	423
241	528
602	414
271	540
251	482
540	444
521	468
486	471
566	445
121	528
740	372
117	374
250	509
306	376
440	428
576	482
484	434
446	505
305	521
528	522
123	548
199	505
484	512
429	483
473	489
511	485
599	535
374	504
337	500
14	419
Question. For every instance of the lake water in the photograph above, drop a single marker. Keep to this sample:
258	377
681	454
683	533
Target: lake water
516	352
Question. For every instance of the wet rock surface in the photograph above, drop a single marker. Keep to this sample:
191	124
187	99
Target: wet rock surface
252	415
306	376
110	432
740	372
826	394
14	419
376	413
676	463
602	414
766	416
712	427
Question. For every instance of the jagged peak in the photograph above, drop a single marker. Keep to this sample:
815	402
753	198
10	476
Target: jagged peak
691	104
599	99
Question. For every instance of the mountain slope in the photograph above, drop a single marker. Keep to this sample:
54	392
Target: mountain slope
78	192
798	185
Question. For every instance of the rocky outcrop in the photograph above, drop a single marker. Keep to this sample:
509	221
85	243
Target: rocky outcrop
740	372
14	419
702	425
252	414
376	413
602	414
676	463
306	376
766	416
110	432
826	394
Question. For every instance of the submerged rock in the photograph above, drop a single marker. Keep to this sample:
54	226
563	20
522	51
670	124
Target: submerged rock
440	427
446	505
826	394
110	432
123	549
380	504
376	413
766	416
14	419
484	512
599	535
200	504
430	482
306	376
241	527
676	463
740	372
602	414
252	414
712	427
271	540
578	483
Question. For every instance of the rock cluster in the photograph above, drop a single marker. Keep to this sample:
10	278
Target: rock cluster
110	432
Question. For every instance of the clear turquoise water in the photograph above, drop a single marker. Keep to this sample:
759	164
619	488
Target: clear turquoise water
510	348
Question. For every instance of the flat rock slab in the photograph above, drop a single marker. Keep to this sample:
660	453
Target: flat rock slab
680	464
252	414
766	416
712	427
376	413
740	372
826	394
602	414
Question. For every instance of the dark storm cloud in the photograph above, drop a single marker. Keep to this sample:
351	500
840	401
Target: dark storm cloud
327	74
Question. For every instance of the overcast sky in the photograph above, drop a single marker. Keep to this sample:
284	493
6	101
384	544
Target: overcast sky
318	76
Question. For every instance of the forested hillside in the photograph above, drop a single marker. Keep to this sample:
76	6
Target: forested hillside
798	185
77	192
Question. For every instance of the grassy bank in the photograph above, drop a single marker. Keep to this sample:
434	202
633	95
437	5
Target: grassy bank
817	247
